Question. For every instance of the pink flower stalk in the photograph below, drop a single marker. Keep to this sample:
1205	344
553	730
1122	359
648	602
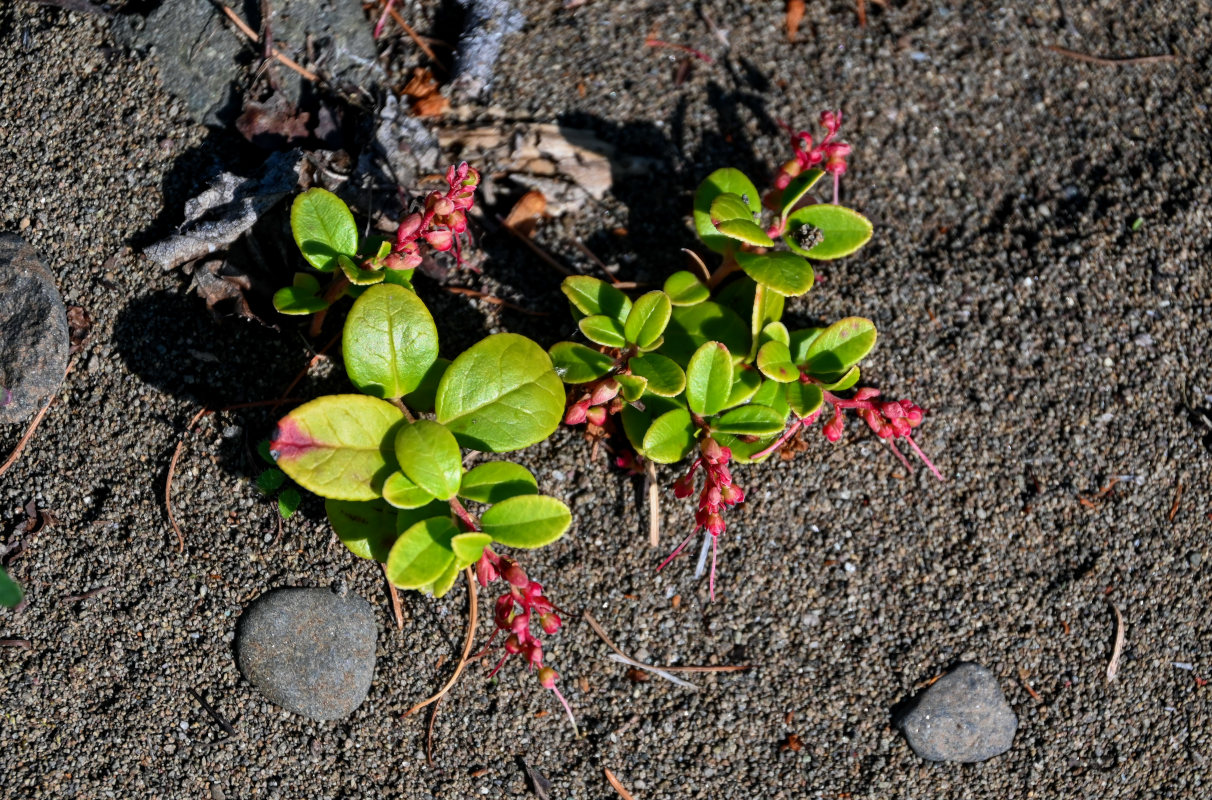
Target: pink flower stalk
888	419
829	155
442	222
718	491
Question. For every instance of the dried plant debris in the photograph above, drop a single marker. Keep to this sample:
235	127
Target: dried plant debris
274	124
79	328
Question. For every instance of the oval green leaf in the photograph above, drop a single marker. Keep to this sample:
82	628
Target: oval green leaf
685	289
422	553
839	347
729	206
368	529
632	387
358	276
722	181
527	522
604	330
692	325
776	332
389	342
301	298
795	190
444	582
800	341
339	446
670	438
501	394
576	363
772	394
785	273
423	397
709	379
804	398
637	419
497	481
401	492
745	383
774	360
468	547
749	420
648	318
746	231
323	228
844	230
591	296
429	455
845	382
664	376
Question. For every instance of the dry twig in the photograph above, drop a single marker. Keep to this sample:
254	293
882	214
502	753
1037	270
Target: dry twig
168	483
286	61
619	655
654	503
33	426
395	600
472	612
1178	496
1126	61
617	786
487	298
1117	651
1022	676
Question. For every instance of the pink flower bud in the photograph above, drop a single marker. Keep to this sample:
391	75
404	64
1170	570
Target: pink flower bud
710	498
439	239
469	176
833	428
515	575
712	451
831	121
715	524
576	413
900	426
513	645
683	487
503	611
550	623
547	678
866	393
604	392
596	416
409	228
486	571
520	626
912	413
533	653
892	409
443	207
732	495
534	591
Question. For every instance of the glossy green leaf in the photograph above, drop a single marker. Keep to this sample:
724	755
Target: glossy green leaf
443	583
323	228
648	318
632	387
407	517
358	276
773	395
804	398
709	379
745	382
844	231
368	529
720	182
501	394
839	347
402	492
576	363
745	231
271	480
749	420
425	395
670	438
389	342
690	326
637	419
468	547
767	307
843	383
527	521
399	277
497	481
685	289
799	343
303	297
776	332
289	502
774	360
10	592
730	206
782	272
795	191
429	455
339	446
591	297
604	330
664	376
422	553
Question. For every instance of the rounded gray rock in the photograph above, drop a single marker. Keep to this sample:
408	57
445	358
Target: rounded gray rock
963	717
33	331
309	650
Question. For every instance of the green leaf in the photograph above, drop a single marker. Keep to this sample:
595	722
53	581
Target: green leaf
429	455
368	529
497	481
664	376
709	379
632	387
720	182
745	382
407	517
399	277
527	521
289	502
767	308
576	363
358	276
323	228
730	206
776	332
637	419
263	451
799	343
844	231
843	383
303	297
425	395
785	273
839	347
648	319
339	446
389	342
10	592
591	297
772	394
422	553
690	326
796	190
774	360
744	230
749	420
804	398
685	289
744	449
271	480
501	394
604	330
401	492
670	438
468	547
444	582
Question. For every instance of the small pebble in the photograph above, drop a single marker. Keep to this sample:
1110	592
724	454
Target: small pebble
963	717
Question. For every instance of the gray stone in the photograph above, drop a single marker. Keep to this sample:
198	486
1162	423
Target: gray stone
488	22
309	650
963	717
34	339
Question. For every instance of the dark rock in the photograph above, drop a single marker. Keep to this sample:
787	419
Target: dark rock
309	650
963	717
33	331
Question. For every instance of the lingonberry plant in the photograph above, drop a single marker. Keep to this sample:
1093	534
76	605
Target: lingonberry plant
389	461
706	365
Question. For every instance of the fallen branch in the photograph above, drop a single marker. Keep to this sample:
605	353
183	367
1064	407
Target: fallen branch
395	600
654	504
494	300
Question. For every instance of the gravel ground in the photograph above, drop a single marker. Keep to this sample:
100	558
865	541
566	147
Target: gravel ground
1050	338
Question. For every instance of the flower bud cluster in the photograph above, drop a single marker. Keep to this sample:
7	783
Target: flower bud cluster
828	154
593	402
442	222
514	611
890	420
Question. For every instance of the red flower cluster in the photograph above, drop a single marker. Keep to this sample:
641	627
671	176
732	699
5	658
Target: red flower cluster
442	222
718	491
829	155
593	403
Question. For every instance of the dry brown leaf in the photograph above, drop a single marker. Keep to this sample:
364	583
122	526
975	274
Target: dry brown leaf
422	89
433	106
525	215
795	15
